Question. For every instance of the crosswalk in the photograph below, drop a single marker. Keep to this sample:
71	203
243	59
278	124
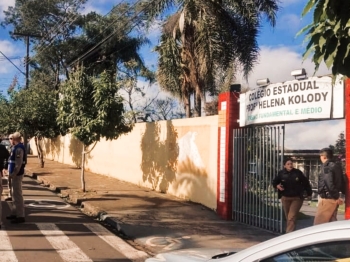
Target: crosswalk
70	243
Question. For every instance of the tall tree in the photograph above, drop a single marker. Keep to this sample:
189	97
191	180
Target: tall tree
111	41
203	37
129	74
339	149
91	109
101	42
56	21
32	110
328	35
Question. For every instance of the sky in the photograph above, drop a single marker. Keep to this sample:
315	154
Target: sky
280	53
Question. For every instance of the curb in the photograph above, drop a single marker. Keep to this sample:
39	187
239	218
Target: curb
90	210
104	217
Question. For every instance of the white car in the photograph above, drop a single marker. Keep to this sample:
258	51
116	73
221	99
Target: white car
326	242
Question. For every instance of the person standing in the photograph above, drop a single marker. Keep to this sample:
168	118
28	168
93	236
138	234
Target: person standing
330	186
292	186
4	155
9	195
16	166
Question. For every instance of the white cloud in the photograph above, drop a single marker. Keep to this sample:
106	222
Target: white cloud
313	135
4	4
290	22
291	2
9	50
154	31
277	63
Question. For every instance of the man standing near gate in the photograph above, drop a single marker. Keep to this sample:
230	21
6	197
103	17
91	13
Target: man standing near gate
330	186
17	163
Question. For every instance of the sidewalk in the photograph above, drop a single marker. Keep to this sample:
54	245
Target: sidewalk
148	220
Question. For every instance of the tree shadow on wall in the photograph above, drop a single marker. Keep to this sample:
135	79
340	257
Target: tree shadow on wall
194	179
159	158
75	150
52	147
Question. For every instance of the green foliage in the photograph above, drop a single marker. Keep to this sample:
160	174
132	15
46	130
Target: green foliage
205	38
57	21
339	148
328	35
90	107
67	35
32	110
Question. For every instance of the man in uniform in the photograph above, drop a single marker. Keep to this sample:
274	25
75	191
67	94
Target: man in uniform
16	166
4	155
330	186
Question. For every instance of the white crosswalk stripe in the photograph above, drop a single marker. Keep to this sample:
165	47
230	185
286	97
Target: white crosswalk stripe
6	251
117	243
66	248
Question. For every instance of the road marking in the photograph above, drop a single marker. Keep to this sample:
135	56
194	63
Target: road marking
46	203
64	246
117	243
6	251
166	243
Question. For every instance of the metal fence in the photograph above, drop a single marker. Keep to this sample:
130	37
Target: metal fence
258	156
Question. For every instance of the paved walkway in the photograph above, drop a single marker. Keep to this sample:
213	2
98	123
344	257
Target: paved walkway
151	221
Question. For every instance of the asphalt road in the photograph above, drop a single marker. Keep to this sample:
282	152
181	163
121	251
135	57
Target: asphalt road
56	231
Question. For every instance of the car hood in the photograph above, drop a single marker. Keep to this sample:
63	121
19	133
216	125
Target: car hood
192	255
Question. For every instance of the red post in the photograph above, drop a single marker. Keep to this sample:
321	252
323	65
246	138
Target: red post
347	145
228	120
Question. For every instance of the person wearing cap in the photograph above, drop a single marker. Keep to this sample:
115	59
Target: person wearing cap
16	166
330	186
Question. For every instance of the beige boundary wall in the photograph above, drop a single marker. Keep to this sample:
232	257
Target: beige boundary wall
178	157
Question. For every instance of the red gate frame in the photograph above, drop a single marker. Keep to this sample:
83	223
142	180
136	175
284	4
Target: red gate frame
228	118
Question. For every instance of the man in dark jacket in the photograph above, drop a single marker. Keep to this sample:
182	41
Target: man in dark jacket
330	186
4	155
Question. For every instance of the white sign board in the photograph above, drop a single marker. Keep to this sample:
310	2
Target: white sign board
298	100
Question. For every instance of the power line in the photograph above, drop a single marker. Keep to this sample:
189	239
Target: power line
11	57
94	48
70	20
113	21
57	29
12	63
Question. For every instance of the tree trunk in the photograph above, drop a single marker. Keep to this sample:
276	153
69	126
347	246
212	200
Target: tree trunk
188	105
198	104
40	152
25	139
204	103
82	169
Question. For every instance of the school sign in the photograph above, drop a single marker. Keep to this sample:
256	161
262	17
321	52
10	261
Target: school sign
311	99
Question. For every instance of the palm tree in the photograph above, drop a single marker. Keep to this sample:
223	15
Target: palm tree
204	37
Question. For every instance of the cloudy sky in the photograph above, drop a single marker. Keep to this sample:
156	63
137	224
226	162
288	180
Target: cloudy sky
280	53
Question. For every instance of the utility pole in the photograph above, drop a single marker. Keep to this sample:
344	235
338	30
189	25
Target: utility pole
27	36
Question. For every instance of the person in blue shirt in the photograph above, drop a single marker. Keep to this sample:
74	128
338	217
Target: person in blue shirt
16	166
